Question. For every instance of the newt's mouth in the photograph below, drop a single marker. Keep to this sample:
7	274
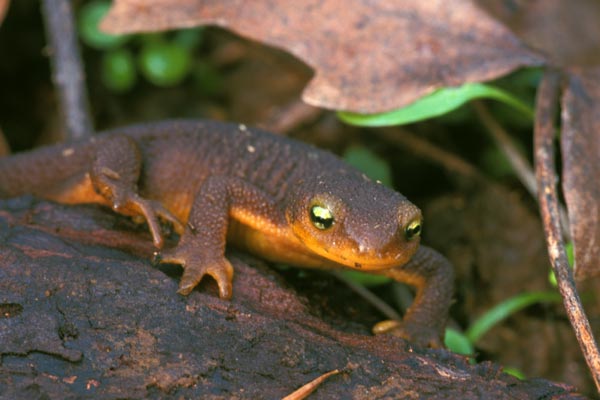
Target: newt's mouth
366	261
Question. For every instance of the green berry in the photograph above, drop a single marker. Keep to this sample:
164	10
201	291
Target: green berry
164	64
90	16
118	70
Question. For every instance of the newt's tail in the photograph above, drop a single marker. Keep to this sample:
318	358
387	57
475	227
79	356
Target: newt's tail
40	172
4	147
4	151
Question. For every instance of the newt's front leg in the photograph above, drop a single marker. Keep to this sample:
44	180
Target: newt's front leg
425	320
201	249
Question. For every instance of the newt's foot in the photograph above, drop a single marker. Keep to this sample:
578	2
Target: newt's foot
195	268
424	336
119	189
151	211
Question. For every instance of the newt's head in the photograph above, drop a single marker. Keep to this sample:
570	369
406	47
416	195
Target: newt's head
354	222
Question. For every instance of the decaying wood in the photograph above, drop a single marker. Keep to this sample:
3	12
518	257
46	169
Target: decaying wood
84	319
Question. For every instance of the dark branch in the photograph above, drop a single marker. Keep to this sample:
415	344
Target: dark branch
546	109
67	70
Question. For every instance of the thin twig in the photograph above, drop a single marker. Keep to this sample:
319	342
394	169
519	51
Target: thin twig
429	151
375	301
517	160
546	108
67	70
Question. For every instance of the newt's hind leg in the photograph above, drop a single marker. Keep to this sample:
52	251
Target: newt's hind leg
115	174
201	249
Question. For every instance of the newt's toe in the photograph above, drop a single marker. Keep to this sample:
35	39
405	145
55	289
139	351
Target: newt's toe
424	336
148	210
221	271
196	267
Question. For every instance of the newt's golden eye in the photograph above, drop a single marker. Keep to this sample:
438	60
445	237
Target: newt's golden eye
321	217
412	230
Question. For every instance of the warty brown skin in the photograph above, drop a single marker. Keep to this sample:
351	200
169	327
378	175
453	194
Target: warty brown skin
217	183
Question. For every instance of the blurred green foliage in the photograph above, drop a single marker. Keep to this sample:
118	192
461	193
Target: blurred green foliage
163	59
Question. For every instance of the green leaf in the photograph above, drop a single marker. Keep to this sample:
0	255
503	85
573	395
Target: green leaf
569	249
90	16
370	163
517	373
458	343
365	279
189	38
118	70
435	104
507	308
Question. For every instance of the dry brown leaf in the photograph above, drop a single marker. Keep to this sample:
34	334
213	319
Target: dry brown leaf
580	143
566	32
368	56
3	9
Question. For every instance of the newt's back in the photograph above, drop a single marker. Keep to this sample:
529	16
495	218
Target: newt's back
176	158
179	155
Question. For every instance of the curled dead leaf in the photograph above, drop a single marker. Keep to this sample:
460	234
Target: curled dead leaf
368	56
566	32
580	143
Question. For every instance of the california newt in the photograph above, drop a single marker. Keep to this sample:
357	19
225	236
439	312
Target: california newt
280	199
